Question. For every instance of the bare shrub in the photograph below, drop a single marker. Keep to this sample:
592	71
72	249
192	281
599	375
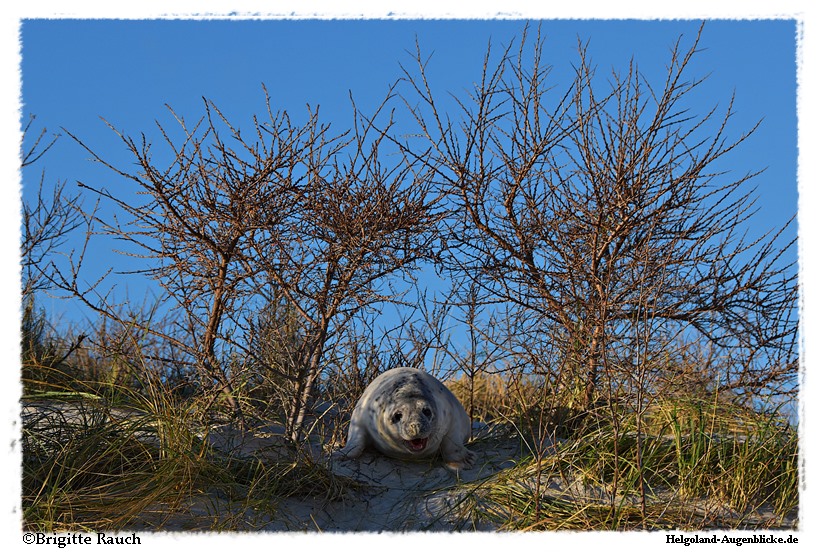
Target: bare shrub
290	216
604	217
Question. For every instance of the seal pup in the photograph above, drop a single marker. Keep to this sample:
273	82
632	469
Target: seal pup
406	413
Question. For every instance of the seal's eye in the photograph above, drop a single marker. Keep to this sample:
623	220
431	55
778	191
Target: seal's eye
427	412
396	417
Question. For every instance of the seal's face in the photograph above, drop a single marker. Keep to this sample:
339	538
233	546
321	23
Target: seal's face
411	423
408	425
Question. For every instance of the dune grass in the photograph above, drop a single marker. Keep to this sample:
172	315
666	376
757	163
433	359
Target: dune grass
146	462
89	465
106	456
701	467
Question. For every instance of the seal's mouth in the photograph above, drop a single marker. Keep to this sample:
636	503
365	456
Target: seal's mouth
416	445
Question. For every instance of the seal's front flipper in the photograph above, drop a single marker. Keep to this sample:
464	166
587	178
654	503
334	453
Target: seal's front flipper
356	443
456	456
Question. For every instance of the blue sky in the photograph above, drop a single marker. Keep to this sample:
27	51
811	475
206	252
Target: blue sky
75	72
